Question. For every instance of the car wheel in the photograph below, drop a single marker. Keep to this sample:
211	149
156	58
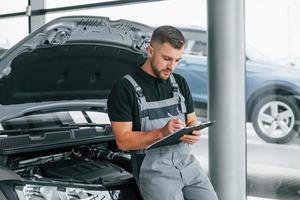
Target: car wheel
274	119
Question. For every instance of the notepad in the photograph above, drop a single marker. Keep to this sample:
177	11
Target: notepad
174	137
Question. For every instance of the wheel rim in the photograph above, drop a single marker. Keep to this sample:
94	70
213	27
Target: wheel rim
276	119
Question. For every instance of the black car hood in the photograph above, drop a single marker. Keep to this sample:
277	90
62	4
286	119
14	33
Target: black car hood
72	58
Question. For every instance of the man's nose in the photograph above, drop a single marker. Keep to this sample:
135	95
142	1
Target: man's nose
172	64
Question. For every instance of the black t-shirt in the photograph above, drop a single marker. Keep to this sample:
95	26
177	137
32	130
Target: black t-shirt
122	102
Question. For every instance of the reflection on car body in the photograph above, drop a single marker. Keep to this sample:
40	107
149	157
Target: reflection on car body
2	50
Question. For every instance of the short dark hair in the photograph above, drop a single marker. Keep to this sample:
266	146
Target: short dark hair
168	34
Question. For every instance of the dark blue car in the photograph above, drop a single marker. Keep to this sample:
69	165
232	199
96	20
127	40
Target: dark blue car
272	91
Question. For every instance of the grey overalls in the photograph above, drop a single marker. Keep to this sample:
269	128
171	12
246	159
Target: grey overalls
170	172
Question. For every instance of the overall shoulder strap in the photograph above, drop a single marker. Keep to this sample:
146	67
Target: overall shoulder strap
135	85
174	84
175	90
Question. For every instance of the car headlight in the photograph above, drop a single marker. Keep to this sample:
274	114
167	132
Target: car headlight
39	192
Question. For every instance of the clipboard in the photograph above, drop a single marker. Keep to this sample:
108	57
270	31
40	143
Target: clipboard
174	137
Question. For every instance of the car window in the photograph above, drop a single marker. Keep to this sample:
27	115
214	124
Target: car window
199	48
196	41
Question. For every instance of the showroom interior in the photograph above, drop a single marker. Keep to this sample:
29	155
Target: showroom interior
251	151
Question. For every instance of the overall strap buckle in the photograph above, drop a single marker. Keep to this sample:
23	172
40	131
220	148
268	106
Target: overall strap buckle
138	90
174	85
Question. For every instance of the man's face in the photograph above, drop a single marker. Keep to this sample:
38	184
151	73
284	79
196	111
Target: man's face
163	59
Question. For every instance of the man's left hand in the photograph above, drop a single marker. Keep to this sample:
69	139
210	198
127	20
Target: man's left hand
191	139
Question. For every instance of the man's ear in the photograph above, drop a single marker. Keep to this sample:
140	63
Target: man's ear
150	51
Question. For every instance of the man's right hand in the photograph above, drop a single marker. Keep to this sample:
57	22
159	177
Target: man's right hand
172	126
127	139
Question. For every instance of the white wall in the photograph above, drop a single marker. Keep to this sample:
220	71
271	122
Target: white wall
273	27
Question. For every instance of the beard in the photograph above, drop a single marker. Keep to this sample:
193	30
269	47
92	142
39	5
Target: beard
162	74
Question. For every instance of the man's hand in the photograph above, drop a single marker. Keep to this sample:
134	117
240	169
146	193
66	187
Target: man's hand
191	139
173	125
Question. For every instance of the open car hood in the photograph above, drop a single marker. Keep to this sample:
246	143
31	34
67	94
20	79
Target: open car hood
72	58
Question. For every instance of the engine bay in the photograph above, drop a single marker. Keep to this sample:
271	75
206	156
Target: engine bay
81	172
62	151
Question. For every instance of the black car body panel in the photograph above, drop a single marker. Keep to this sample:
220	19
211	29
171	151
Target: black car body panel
72	58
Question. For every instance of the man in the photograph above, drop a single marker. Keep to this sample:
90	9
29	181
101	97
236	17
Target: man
140	106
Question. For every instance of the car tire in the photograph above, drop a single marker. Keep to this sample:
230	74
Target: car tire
274	119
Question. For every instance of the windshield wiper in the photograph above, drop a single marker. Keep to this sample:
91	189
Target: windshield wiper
58	107
87	124
64	126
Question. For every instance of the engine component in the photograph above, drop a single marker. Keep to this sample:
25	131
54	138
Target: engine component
88	171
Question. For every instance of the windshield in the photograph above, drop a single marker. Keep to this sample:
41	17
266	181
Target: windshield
253	54
196	44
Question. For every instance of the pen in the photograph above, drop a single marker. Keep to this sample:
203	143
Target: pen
170	115
178	120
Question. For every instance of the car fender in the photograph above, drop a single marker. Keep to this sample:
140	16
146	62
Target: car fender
274	87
